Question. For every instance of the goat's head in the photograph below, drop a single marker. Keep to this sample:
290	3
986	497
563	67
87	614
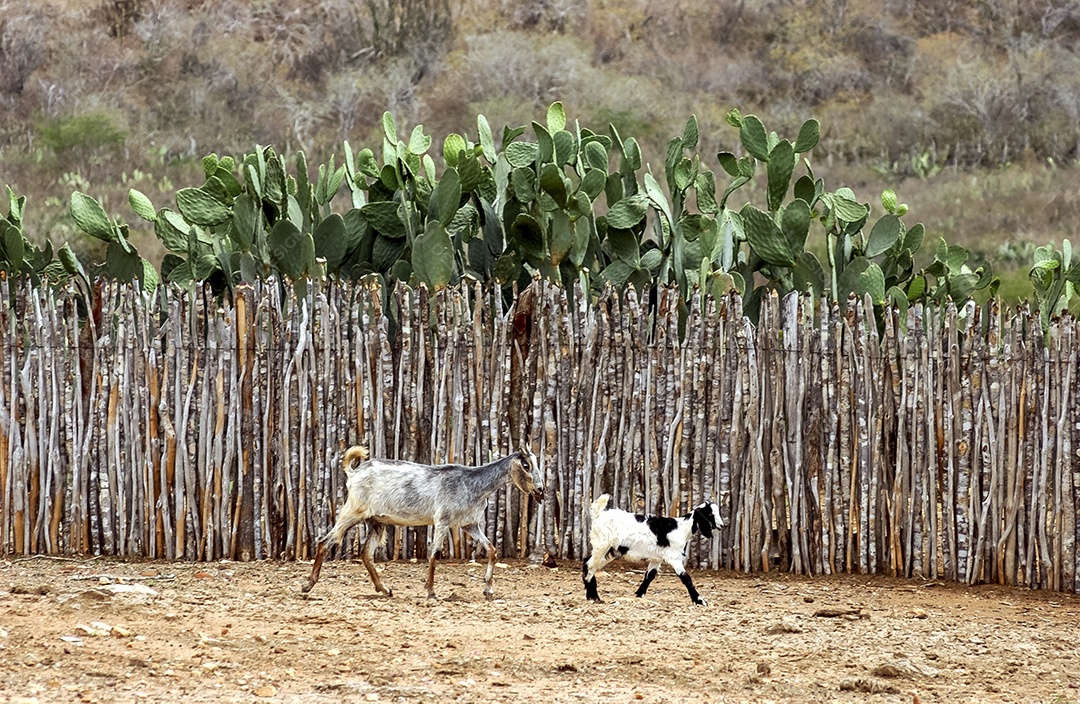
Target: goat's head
706	518
525	473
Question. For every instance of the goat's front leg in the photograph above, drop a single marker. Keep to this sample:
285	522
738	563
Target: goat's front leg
650	575
687	582
438	540
376	532
478	536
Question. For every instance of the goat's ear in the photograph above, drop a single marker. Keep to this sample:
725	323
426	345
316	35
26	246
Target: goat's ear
702	522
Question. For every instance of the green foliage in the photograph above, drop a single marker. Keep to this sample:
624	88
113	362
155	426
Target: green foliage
876	260
21	258
81	136
122	261
91	217
954	278
552	199
1056	278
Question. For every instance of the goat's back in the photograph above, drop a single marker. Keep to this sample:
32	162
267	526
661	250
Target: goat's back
638	537
407	493
401	493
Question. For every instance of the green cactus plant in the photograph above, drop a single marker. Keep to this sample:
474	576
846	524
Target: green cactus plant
548	189
502	211
878	261
20	258
1055	277
954	278
775	237
122	260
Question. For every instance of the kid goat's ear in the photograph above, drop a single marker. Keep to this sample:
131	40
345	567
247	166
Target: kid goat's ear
702	522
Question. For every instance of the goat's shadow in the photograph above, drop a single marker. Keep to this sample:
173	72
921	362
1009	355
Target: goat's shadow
352	597
452	598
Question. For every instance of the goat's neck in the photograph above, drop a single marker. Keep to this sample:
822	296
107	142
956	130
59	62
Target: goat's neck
490	477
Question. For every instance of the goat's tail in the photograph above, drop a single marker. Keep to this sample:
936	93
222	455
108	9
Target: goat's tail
356	453
599	505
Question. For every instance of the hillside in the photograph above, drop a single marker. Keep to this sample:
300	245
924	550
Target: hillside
970	111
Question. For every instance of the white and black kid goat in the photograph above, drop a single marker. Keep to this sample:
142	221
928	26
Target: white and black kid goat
618	534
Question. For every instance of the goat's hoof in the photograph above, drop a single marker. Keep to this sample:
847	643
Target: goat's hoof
306	588
431	595
489	595
700	602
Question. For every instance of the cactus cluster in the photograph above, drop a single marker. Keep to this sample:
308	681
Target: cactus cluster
553	199
1055	277
879	262
244	222
21	258
122	260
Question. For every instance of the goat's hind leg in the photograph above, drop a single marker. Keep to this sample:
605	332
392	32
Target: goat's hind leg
316	568
345	521
376	534
478	535
438	540
589	567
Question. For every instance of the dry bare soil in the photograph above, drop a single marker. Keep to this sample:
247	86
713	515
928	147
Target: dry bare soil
99	630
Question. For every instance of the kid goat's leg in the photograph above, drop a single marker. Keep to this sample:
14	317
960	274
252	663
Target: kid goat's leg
650	575
438	540
688	583
479	537
589	567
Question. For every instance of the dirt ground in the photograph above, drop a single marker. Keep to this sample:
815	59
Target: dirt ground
107	631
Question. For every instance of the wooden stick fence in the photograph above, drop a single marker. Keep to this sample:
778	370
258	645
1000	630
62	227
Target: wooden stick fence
176	426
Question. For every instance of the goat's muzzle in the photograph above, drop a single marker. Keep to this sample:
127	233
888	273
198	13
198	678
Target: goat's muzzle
538	496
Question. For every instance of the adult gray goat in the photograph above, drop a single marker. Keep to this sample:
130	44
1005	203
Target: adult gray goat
391	492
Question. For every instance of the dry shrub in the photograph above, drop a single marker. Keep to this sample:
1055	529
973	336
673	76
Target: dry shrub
22	48
556	16
887	54
309	41
515	64
162	25
119	16
881	128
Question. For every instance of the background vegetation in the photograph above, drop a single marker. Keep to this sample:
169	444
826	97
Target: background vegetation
970	111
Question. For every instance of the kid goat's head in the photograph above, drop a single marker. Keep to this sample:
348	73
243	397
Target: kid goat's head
706	518
525	473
